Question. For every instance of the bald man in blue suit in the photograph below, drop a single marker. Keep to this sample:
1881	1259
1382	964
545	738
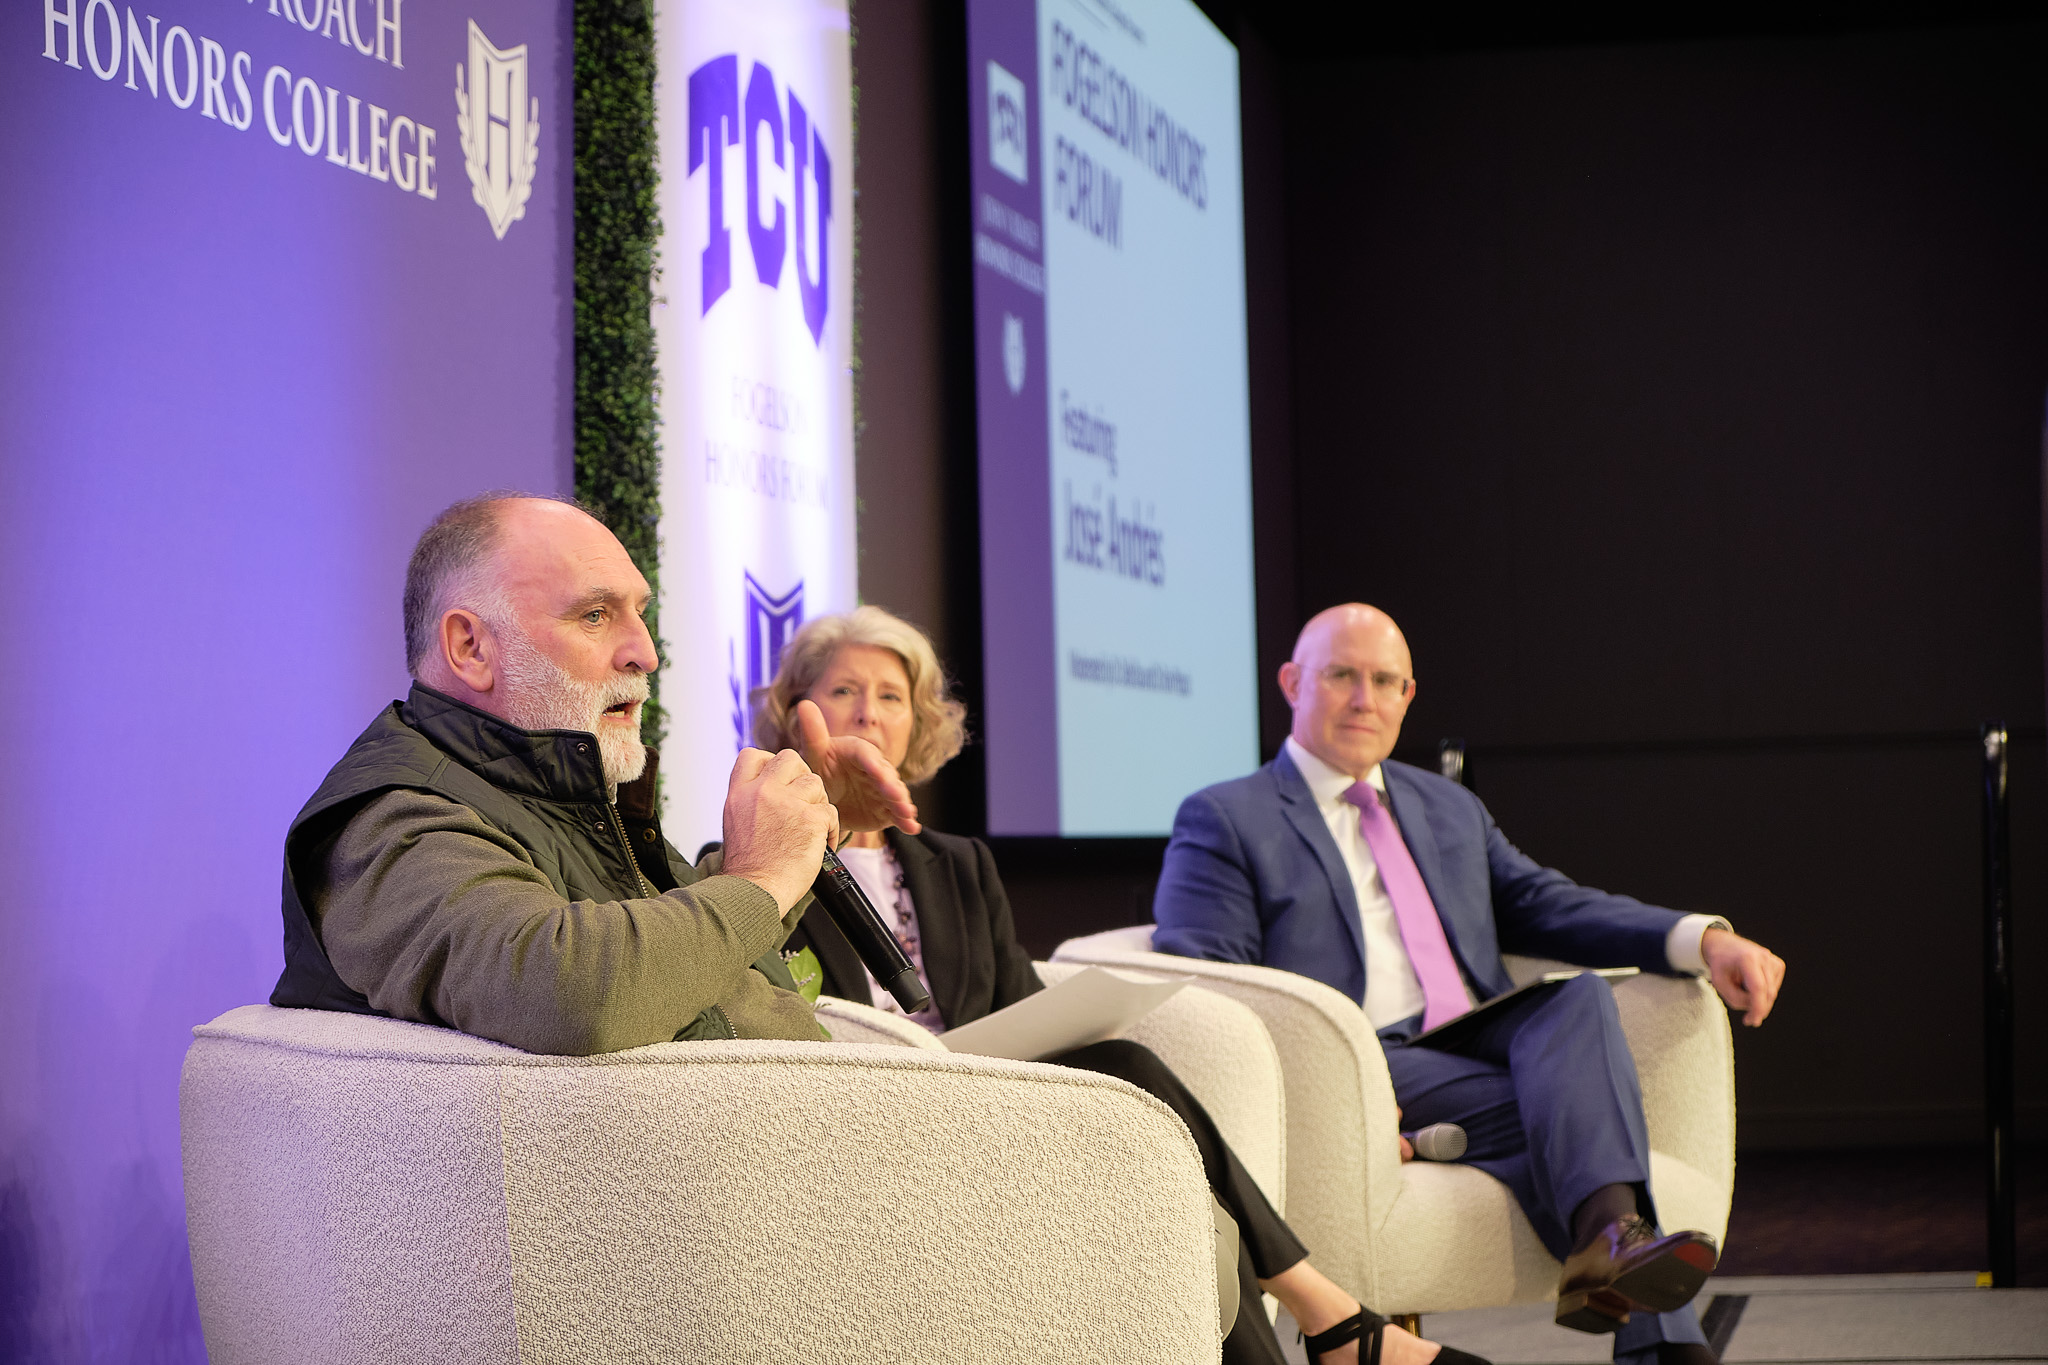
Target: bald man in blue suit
1394	886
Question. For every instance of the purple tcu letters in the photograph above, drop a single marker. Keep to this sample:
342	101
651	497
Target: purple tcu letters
715	124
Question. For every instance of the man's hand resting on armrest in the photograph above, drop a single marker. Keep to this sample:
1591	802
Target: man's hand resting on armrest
859	781
1746	974
776	823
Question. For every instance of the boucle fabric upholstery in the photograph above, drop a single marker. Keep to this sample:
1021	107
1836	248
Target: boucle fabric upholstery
1423	1237
849	1021
360	1189
1223	1054
1217	1047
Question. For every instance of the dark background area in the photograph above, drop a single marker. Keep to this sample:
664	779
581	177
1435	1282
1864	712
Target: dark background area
1701	386
1677	382
1876	1211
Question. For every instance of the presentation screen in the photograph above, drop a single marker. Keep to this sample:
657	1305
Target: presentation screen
1115	452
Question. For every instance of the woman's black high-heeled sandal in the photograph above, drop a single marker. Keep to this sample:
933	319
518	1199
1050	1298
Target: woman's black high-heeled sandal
1364	1323
1373	1328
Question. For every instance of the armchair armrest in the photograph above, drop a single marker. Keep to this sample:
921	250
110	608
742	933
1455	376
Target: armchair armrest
362	1190
1428	1237
1342	1133
849	1021
1678	1031
1223	1054
1684	1049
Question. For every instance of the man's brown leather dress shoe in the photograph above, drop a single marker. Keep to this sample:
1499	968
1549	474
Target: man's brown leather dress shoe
1628	1266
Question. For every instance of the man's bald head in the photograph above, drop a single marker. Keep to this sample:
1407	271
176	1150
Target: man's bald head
1349	618
1350	682
530	609
457	558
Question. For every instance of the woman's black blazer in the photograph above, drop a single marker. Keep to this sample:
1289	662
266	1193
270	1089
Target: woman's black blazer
971	955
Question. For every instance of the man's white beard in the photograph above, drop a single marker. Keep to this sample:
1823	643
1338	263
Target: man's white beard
538	694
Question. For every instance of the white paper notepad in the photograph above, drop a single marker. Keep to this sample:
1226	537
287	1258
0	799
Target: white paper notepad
1087	1007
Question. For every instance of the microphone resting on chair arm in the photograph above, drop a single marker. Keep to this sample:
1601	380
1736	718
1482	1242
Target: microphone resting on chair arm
1437	1142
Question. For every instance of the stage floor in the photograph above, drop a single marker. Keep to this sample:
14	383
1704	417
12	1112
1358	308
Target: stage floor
1929	1319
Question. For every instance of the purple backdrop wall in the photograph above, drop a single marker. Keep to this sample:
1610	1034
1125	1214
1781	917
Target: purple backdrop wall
236	379
1020	666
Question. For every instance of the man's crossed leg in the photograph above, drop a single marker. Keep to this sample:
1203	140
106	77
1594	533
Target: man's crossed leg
1548	1097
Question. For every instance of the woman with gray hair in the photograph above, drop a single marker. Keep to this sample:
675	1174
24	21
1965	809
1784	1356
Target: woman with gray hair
874	676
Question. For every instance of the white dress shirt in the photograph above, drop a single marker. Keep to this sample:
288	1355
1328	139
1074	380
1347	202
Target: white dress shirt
876	871
1392	991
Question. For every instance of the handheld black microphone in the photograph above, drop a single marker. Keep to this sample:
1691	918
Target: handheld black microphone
857	918
1438	1142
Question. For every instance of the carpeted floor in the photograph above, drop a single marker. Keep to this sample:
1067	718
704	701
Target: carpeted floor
1889	1211
1799	1320
1834	1258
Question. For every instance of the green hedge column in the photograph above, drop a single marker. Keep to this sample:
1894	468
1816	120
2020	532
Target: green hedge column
618	460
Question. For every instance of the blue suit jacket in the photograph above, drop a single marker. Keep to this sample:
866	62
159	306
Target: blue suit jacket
1252	875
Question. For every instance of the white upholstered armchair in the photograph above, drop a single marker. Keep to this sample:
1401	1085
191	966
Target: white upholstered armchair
364	1190
1218	1048
1424	1237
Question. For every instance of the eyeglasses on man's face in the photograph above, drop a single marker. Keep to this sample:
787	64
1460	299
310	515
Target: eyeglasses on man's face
1345	680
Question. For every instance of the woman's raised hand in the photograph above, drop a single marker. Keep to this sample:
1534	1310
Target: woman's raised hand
858	780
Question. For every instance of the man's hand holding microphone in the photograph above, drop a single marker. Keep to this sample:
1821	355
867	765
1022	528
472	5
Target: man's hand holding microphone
778	823
782	811
782	823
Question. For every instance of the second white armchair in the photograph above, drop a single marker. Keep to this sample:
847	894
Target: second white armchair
1423	1237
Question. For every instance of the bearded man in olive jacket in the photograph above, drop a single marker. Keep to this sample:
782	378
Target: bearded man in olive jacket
486	856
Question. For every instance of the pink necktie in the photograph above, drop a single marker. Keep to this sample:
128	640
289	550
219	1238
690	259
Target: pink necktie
1422	933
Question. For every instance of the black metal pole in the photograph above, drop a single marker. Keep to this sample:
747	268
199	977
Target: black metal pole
2001	1206
1450	759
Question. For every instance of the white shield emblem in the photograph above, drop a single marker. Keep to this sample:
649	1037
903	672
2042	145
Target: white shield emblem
1013	351
1006	124
500	129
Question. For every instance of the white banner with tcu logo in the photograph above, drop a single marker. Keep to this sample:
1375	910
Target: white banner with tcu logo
755	337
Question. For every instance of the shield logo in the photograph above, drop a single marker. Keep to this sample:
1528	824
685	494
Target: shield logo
1013	352
500	128
771	621
1006	125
